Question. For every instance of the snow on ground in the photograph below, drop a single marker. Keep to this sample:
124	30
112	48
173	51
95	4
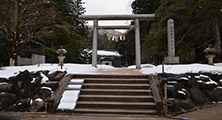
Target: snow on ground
69	97
89	69
182	68
70	68
108	53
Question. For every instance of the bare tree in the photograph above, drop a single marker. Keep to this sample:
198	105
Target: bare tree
23	21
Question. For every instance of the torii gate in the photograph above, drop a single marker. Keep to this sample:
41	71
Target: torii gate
135	17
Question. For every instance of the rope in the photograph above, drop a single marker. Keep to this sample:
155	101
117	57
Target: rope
151	86
117	35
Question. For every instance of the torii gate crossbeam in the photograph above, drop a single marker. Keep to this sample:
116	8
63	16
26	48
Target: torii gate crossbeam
135	17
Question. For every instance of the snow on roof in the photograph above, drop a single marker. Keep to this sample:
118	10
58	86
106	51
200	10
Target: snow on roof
108	53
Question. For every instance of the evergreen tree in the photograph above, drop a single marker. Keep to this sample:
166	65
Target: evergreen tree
144	7
196	24
67	30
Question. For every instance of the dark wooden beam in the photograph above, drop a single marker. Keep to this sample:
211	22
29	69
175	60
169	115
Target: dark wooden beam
156	94
53	102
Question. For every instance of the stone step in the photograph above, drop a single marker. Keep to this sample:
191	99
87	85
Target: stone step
117	80
114	92
115	111
76	81
117	105
116	98
114	86
142	76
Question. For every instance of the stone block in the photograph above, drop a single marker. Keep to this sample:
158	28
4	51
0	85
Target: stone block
171	60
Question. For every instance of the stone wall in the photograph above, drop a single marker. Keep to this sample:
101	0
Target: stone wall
28	91
186	91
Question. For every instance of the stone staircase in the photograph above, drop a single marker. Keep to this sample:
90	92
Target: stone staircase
116	95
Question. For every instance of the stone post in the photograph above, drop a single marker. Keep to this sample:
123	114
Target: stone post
171	59
137	44
95	33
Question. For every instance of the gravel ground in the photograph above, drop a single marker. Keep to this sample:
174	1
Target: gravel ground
212	112
45	116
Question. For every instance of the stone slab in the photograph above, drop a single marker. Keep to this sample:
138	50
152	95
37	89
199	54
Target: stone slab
171	60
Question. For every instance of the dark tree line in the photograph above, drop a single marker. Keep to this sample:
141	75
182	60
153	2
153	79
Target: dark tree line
41	26
197	24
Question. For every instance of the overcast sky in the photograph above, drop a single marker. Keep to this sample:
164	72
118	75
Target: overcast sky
107	7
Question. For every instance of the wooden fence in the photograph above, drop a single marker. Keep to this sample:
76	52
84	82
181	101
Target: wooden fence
35	59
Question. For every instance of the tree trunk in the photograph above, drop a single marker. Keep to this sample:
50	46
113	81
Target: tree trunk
14	43
217	38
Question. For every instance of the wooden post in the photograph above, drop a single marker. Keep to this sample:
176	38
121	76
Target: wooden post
162	66
165	97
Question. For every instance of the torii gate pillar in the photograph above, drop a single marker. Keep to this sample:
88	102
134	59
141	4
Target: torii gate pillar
95	34
137	44
136	17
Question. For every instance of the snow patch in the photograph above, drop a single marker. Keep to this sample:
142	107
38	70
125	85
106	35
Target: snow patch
76	87
211	82
172	82
38	99
219	87
31	101
170	86
3	83
69	99
19	103
76	81
47	88
108	53
44	78
105	67
181	92
203	76
183	78
183	89
66	106
71	93
199	81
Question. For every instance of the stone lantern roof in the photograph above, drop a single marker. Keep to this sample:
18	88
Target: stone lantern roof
210	50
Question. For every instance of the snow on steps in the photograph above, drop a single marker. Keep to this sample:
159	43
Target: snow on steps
70	95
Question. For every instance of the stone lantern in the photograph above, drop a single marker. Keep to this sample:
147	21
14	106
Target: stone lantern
210	54
61	51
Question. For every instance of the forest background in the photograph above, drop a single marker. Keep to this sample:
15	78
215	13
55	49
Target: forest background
41	26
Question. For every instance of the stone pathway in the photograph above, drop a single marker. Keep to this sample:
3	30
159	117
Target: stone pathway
123	71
